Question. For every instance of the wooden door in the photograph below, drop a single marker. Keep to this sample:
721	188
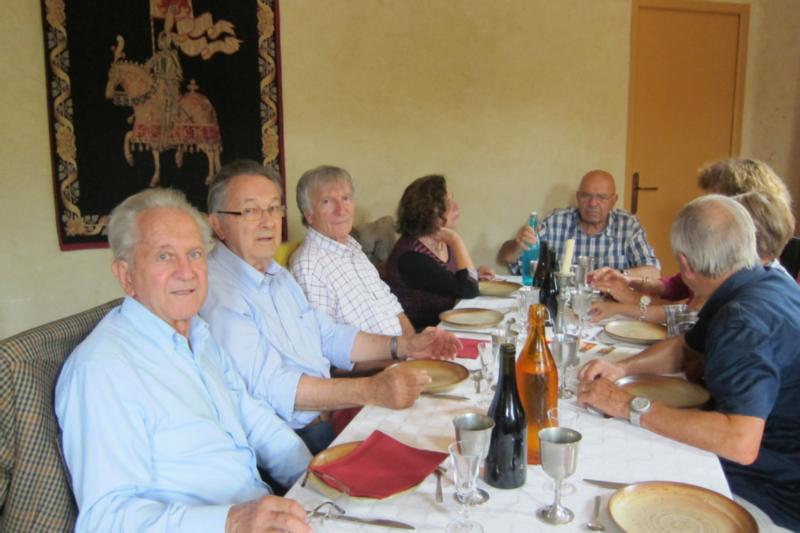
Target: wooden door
685	104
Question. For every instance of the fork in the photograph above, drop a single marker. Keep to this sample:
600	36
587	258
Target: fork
440	470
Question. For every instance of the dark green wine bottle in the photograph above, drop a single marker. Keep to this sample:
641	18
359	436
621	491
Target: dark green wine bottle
507	462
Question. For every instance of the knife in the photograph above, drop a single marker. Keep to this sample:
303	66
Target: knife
372	521
454	397
607	484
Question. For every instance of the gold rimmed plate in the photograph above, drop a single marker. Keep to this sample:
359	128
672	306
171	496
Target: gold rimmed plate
445	375
329	489
672	391
498	287
635	331
472	317
663	506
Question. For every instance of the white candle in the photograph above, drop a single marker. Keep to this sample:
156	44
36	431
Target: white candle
566	259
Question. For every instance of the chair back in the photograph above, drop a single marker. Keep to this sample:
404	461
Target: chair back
790	257
376	238
35	493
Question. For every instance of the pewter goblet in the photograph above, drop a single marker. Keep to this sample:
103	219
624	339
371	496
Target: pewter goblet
559	453
474	432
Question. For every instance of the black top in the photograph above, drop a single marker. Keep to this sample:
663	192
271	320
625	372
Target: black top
424	284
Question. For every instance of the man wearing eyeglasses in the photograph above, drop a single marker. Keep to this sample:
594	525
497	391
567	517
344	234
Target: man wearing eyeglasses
282	347
612	236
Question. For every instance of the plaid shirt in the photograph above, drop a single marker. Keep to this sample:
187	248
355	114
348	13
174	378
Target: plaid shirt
621	245
340	280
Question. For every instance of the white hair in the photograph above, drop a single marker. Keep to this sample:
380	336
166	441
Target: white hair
716	235
315	177
123	231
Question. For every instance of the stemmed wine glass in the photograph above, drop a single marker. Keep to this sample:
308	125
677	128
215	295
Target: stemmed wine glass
583	269
564	349
559	453
488	359
581	302
465	473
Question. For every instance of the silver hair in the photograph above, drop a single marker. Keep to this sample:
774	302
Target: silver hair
311	179
218	190
123	231
716	234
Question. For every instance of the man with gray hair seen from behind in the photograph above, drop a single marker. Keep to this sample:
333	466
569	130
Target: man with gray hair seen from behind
159	432
336	276
747	333
283	347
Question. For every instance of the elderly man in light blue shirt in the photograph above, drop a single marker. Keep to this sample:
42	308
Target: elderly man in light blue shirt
159	430
282	346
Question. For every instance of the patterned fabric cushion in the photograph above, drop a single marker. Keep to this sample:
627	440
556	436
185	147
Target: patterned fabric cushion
35	493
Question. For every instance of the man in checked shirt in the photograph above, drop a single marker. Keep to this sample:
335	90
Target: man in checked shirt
336	275
612	236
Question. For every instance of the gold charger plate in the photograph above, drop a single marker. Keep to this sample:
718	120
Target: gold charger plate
445	375
672	391
337	452
662	506
472	317
498	287
635	331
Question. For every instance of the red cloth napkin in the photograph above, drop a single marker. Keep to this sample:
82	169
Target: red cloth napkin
382	466
469	348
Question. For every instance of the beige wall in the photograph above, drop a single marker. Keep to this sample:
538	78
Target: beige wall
512	100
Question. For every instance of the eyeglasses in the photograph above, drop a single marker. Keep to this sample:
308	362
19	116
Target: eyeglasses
587	197
255	213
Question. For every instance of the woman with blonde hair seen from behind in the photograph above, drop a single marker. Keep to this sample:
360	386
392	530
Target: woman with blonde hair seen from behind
774	225
748	178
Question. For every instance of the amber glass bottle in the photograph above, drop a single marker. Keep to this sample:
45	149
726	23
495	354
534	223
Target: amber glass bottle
537	379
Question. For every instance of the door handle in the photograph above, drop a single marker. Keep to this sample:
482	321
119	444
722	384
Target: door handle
635	192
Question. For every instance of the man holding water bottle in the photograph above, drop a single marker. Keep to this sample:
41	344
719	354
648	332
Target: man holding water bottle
613	237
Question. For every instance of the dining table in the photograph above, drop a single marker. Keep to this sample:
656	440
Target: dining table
611	449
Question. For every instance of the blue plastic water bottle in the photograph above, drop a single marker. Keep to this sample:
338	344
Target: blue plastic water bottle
531	254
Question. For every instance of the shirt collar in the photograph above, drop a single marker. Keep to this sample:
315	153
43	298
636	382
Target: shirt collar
730	287
157	330
242	270
327	244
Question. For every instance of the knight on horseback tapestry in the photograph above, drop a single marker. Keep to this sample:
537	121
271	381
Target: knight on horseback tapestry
197	64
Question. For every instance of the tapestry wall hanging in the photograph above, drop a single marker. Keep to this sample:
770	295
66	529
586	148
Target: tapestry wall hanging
146	93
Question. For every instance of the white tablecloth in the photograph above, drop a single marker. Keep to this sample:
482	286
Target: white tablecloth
610	450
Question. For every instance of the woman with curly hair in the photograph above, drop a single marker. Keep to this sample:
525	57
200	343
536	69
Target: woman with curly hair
430	267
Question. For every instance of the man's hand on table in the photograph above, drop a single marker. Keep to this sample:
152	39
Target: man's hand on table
615	284
604	396
269	513
431	343
599	368
598	390
603	310
397	387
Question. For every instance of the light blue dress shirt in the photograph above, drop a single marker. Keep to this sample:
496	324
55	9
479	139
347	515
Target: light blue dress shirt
160	433
271	332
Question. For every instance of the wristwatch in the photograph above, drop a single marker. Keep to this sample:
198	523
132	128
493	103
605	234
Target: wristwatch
644	303
638	406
